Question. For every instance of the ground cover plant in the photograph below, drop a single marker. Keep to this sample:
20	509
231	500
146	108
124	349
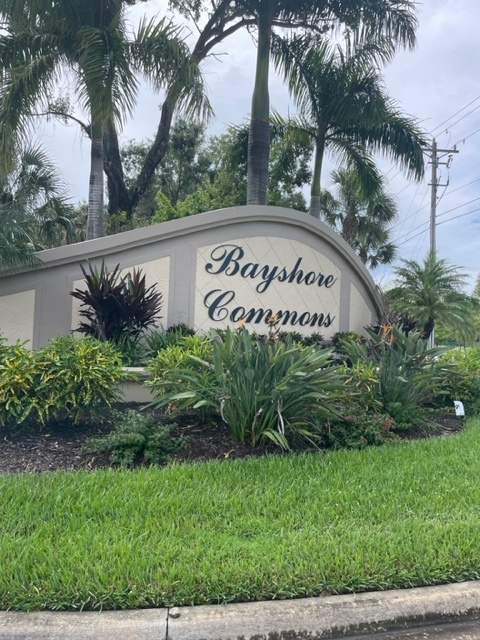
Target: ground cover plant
275	527
136	437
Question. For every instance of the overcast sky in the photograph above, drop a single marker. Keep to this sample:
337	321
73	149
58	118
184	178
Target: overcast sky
438	83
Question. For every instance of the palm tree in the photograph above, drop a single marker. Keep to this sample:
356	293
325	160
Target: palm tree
362	218
34	213
89	41
393	18
344	108
431	292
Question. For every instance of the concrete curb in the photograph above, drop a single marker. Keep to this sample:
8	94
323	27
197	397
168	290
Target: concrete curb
303	619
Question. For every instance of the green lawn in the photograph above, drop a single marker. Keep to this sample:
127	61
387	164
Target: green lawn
401	515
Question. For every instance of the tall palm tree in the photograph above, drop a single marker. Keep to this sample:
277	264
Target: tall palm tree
344	108
393	18
89	41
34	213
361	217
432	292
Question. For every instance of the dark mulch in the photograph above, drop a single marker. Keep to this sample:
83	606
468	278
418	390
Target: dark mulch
27	447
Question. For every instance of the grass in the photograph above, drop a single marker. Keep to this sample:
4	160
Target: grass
402	515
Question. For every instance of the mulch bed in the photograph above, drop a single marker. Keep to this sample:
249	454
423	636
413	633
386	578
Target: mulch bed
27	447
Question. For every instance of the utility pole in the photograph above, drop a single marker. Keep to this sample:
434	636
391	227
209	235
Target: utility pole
434	161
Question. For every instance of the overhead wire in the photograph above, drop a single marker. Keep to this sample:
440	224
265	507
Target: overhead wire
461	215
455	114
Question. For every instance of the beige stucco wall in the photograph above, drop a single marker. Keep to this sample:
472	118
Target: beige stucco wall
36	306
17	312
219	278
360	314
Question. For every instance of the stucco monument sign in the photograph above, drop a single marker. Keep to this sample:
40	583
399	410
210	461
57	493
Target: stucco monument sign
245	264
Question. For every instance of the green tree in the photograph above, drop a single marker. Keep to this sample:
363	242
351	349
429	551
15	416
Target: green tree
393	18
34	213
215	20
225	183
185	166
361	218
431	293
345	109
90	40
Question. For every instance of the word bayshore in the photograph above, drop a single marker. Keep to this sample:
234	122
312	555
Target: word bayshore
229	260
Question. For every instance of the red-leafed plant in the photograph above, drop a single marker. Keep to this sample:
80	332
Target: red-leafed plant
117	308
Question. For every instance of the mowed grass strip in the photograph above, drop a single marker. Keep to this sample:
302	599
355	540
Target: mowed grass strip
402	515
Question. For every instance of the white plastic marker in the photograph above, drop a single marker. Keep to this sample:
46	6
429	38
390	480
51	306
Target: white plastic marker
459	410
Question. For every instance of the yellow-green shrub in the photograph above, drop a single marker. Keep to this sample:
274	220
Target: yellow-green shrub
67	377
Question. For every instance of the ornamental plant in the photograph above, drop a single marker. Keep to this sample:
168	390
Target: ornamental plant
358	430
265	391
68	377
117	308
409	373
136	437
465	385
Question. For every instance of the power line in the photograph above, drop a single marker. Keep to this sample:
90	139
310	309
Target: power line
463	117
411	231
467	137
408	216
413	237
463	185
455	114
458	207
461	215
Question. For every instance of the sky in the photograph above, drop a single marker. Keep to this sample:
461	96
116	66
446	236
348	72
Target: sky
437	83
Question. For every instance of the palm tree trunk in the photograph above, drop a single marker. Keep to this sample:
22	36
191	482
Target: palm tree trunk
95	190
315	190
259	134
350	227
428	328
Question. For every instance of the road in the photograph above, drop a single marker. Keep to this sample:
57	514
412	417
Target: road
468	629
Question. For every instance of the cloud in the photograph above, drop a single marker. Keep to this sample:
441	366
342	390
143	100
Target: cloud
432	83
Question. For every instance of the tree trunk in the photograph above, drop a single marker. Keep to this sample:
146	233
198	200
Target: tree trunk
428	328
121	199
157	150
118	196
95	190
315	191
350	227
259	133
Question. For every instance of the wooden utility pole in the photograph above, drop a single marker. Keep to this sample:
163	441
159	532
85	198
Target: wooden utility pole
434	161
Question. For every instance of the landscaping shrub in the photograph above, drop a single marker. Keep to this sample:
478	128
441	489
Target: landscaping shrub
183	354
159	339
18	381
136	436
409	374
362	384
358	430
465	384
271	390
68	376
79	375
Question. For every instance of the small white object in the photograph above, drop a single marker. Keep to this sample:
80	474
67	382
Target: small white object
459	410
